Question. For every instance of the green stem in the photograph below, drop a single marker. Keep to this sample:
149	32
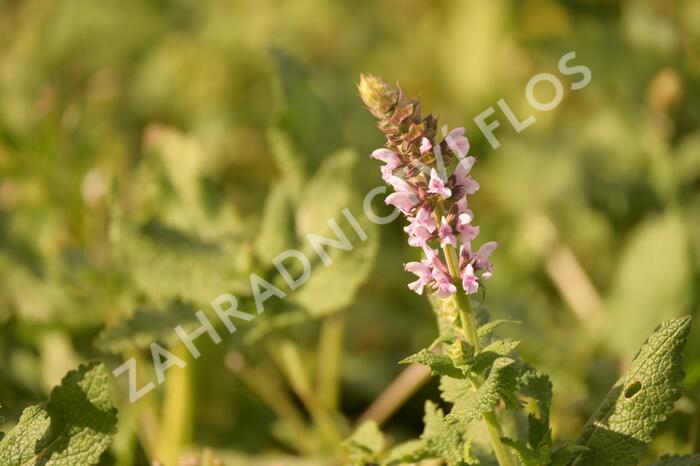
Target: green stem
329	356
466	316
177	411
495	433
293	367
267	386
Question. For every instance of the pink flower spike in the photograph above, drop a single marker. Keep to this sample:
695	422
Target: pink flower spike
446	235
458	142
470	282
425	146
437	185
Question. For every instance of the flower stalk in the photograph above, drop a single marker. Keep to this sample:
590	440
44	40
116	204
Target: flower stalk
435	205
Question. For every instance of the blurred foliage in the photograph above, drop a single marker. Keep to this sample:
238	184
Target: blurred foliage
155	153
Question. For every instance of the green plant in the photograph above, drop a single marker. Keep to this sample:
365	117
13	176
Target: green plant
481	376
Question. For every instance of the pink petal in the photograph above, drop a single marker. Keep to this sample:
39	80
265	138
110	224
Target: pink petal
385	155
399	185
437	185
403	201
425	146
458	142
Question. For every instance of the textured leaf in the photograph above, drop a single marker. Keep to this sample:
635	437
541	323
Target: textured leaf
471	404
677	460
365	444
536	385
444	437
439	364
524	453
411	451
624	423
73	429
491	352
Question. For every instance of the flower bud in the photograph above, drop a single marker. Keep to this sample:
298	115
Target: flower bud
378	96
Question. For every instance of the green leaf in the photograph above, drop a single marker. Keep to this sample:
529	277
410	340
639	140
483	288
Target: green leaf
647	289
333	287
439	364
411	451
536	385
365	445
493	351
289	162
444	437
166	263
471	404
677	460
73	429
624	423
488	328
147	325
524	453
276	232
329	192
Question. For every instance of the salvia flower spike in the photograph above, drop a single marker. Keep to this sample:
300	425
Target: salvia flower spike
433	201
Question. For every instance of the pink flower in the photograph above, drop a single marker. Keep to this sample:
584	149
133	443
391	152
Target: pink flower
425	146
442	282
391	159
467	231
388	169
437	185
461	177
385	155
403	201
446	234
443	285
424	273
458	142
405	197
470	282
421	227
482	260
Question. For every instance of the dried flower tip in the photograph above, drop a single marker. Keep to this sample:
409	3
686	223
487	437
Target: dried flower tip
377	94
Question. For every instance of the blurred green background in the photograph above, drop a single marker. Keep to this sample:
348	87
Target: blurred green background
153	153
